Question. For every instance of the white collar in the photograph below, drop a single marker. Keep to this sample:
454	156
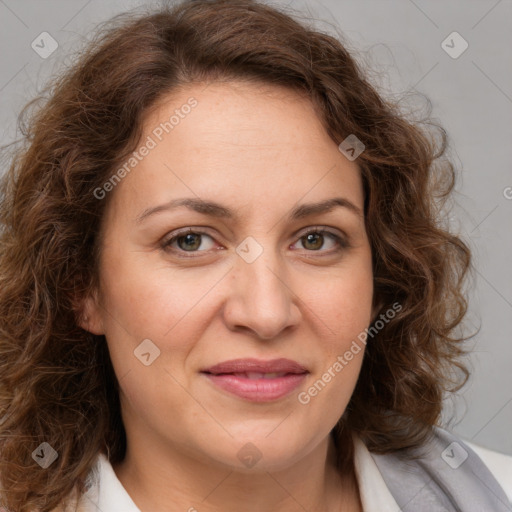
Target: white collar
107	494
375	496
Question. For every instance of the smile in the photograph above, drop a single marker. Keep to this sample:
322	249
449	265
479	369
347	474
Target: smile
256	386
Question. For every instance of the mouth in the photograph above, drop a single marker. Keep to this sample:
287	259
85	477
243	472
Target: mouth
254	375
257	381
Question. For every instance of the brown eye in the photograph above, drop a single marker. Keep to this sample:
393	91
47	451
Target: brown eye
315	240
188	241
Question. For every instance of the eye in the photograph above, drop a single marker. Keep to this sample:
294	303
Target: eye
314	240
188	241
193	241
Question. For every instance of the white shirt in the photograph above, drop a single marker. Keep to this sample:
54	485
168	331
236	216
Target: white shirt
107	494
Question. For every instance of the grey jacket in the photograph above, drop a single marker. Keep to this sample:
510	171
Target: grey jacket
448	476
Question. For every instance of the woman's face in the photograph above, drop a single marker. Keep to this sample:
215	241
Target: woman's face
245	282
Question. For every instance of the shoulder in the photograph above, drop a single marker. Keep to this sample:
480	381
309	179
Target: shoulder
447	470
84	501
499	464
73	503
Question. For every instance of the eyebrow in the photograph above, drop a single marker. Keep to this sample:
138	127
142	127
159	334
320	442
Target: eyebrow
214	209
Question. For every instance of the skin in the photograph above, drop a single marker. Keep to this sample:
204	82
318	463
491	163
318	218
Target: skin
259	150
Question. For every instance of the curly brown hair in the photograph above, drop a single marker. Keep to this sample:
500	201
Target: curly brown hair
57	384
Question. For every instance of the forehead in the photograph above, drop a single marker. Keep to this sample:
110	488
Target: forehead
240	141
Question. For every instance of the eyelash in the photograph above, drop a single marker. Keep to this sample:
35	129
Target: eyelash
341	242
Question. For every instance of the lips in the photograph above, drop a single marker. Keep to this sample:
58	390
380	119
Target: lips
251	366
257	375
255	380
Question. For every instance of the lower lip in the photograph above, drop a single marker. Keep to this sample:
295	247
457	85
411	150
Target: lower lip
258	390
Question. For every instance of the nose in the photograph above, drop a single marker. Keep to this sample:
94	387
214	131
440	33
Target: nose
260	297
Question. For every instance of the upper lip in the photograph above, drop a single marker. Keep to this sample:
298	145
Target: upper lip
257	365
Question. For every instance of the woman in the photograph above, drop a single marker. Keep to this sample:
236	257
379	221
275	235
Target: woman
225	284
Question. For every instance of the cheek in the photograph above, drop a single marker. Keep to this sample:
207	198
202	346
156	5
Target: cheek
343	312
344	309
344	303
168	306
149	298
142	303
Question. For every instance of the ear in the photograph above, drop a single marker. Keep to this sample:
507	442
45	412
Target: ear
90	315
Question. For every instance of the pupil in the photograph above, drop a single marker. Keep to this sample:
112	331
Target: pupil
311	238
189	241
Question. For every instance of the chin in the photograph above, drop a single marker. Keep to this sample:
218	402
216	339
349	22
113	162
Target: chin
250	453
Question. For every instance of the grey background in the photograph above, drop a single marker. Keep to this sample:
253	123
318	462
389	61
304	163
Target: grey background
400	42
